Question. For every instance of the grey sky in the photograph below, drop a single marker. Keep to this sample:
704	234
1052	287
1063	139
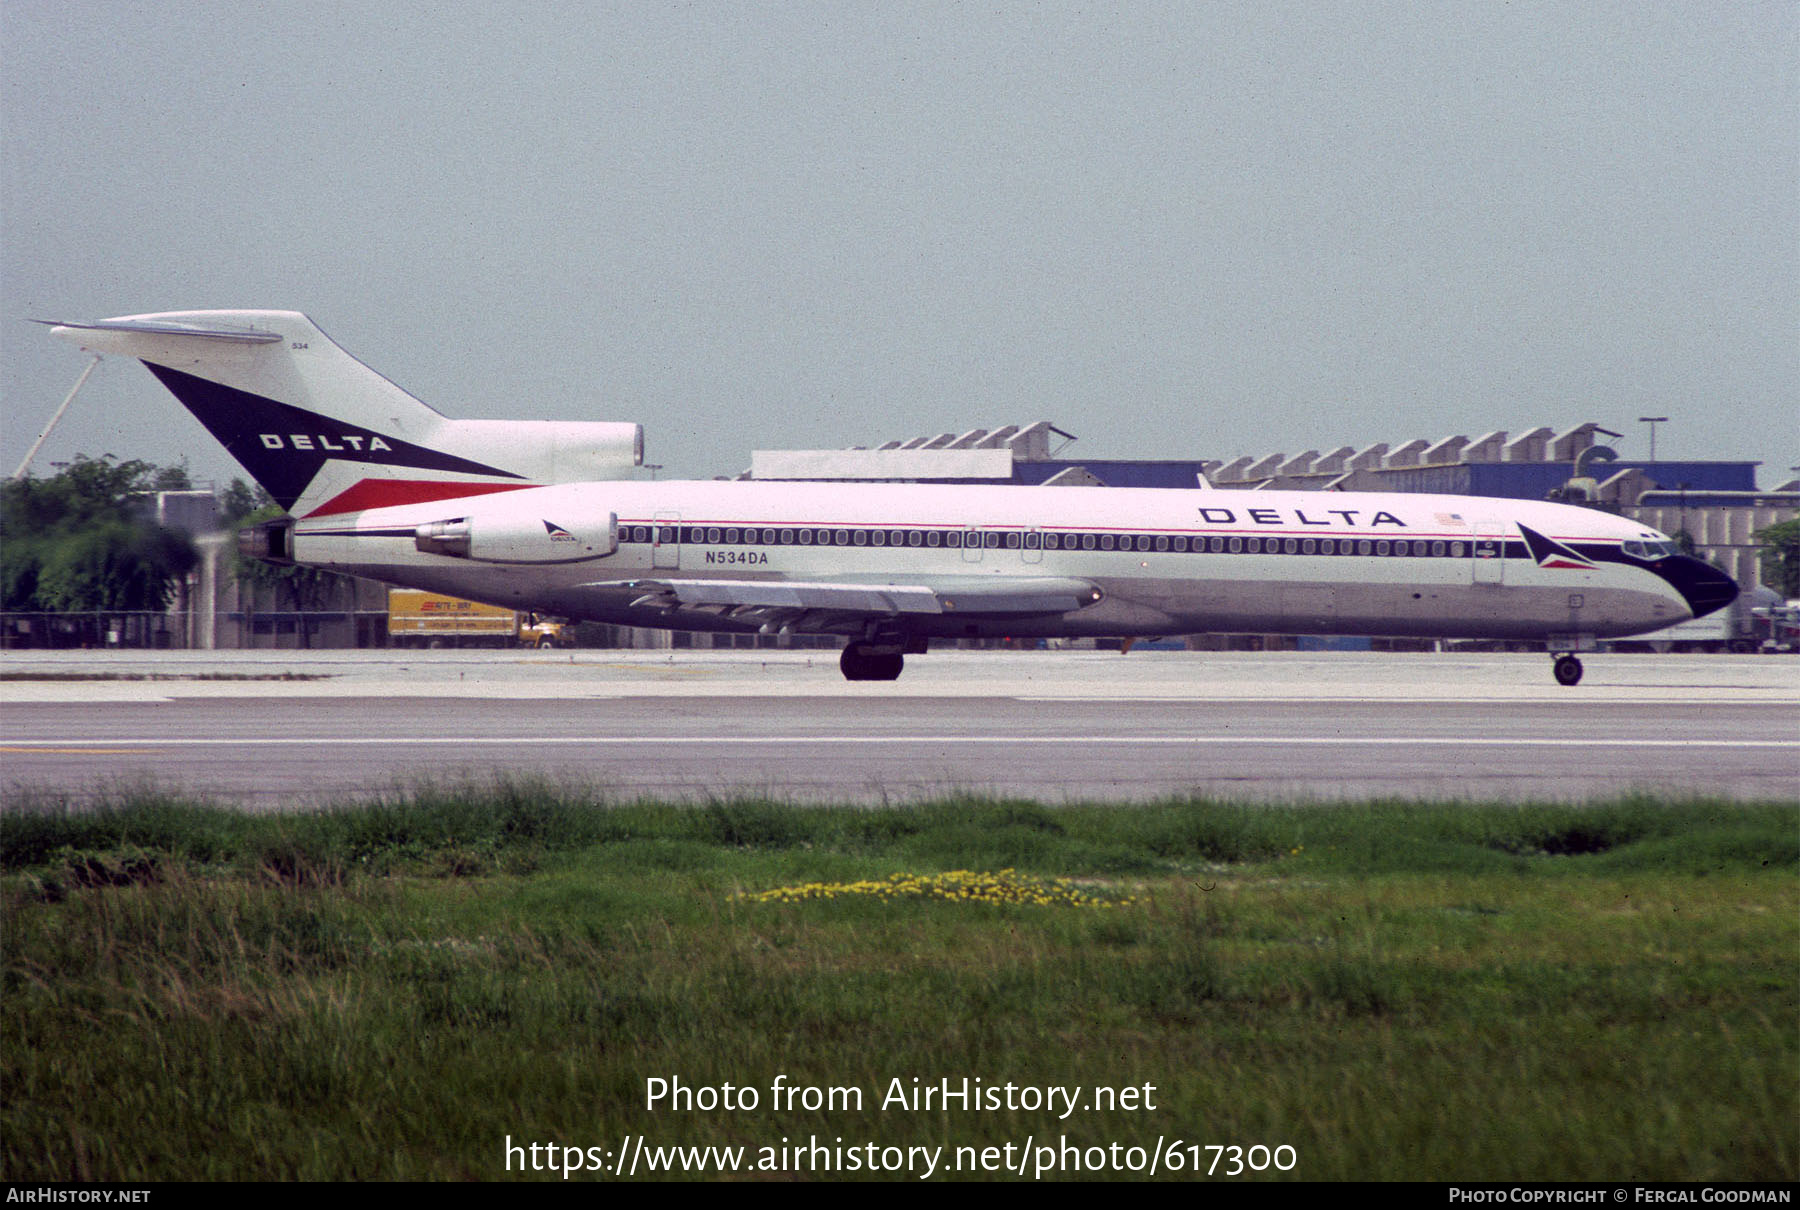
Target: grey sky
1185	230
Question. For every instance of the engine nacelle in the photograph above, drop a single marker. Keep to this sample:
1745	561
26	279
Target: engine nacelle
548	451
271	541
520	538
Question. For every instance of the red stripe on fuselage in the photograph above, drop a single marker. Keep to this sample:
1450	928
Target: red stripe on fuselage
386	493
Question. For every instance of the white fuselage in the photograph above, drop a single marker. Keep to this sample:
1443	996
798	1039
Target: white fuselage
1166	561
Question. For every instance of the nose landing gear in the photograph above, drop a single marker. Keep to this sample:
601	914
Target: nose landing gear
1568	670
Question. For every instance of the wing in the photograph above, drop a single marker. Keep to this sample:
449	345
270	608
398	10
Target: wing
829	604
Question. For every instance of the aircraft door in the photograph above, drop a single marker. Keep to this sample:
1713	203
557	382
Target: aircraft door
1489	564
971	545
665	543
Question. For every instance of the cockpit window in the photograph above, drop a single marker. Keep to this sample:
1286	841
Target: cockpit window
1649	551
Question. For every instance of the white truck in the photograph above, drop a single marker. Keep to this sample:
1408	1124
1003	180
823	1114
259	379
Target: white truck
1753	622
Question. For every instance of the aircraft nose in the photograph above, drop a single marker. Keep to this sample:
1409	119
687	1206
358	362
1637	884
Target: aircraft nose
1704	587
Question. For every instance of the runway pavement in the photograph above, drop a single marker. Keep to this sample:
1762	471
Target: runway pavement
279	728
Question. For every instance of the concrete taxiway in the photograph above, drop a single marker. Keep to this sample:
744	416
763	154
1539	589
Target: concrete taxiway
281	728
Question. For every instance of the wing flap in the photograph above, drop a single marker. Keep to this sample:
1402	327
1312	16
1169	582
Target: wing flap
996	595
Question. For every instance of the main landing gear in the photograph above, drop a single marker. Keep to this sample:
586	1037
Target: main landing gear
862	662
1568	670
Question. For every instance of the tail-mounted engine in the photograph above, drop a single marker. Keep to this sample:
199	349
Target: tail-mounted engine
520	539
271	541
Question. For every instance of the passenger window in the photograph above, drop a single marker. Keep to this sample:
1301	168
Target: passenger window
1307	547
1237	544
1162	542
1291	546
931	538
1381	548
1087	541
712	534
862	537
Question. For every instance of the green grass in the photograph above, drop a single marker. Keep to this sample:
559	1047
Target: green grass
1396	991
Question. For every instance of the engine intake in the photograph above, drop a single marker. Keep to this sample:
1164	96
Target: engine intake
271	541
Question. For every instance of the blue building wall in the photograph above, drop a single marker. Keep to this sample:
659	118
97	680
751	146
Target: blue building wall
1510	480
1535	480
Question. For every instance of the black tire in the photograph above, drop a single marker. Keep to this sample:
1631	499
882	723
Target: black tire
1568	670
858	663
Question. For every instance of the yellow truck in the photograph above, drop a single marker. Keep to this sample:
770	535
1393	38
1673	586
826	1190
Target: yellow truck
428	619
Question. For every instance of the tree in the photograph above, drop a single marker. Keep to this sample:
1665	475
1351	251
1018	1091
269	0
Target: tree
1781	557
75	542
240	500
113	567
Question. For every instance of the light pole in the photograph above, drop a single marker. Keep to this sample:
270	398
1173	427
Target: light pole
45	435
1653	421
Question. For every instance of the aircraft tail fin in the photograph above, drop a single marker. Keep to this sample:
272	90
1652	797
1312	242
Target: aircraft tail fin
325	434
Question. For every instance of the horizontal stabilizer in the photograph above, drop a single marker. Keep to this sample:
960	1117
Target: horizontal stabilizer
150	327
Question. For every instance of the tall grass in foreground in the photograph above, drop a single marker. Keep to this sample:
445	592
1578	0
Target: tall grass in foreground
1394	990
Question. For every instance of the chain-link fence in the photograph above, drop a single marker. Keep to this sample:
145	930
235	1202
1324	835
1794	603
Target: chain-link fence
177	630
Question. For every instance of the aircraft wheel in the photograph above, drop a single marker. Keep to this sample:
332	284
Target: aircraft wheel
853	663
858	663
1568	670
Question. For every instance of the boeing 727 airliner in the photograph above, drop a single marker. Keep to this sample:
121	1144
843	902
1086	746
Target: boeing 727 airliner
537	515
